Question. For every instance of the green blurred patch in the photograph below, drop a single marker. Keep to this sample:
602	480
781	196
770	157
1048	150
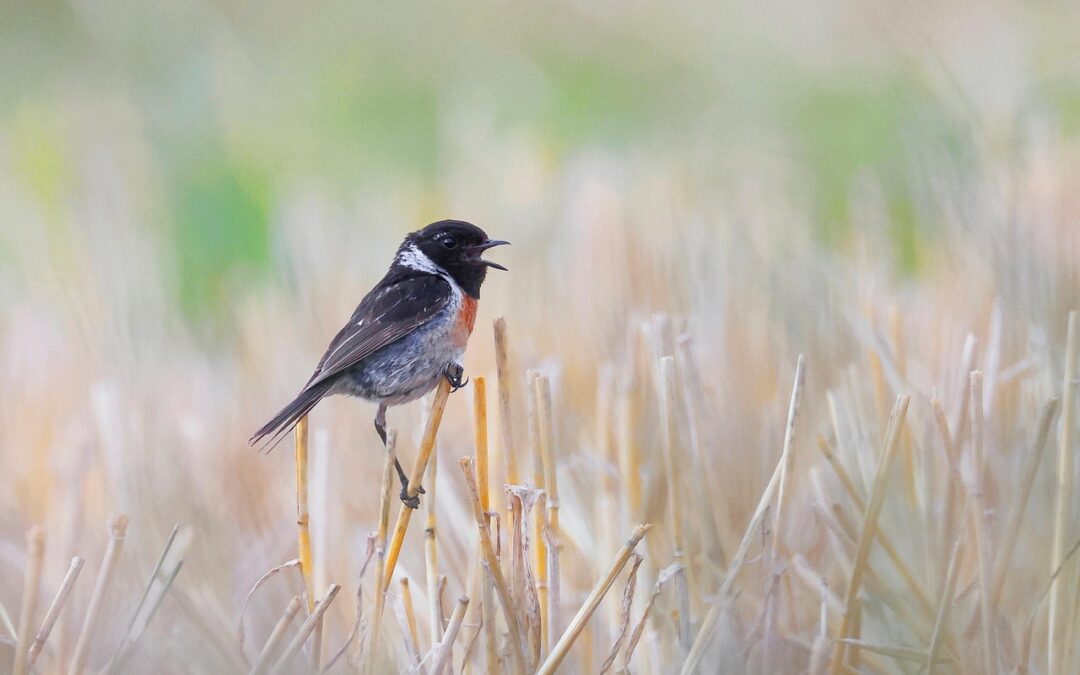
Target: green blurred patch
221	230
375	115
40	158
862	126
1067	102
595	100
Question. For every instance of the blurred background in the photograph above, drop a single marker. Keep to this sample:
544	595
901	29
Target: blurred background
194	196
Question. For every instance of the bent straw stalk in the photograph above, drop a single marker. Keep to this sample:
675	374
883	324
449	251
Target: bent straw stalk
35	544
427	444
117	529
577	624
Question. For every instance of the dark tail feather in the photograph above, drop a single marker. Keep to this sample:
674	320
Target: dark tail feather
279	427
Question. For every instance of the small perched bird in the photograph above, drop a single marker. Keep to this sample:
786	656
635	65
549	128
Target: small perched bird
407	332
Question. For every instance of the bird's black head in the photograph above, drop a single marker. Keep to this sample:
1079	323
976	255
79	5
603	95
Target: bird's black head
452	246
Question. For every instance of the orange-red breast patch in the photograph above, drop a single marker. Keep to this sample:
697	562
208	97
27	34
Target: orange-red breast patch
466	319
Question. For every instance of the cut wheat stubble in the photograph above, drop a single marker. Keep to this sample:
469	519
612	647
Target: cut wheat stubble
577	624
870	518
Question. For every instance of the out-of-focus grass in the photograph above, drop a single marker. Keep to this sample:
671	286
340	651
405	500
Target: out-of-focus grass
193	197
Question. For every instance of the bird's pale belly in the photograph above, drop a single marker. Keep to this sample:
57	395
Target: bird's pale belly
405	370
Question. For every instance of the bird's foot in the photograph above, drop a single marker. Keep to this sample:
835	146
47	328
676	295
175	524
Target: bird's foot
453	375
414	501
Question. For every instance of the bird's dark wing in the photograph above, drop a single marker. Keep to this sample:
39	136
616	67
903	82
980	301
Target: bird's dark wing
387	314
395	307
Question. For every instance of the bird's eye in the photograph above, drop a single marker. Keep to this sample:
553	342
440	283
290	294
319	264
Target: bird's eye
449	242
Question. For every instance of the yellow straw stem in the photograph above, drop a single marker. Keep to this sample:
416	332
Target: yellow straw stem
480	439
549	460
540	480
431	560
302	515
427	444
410	612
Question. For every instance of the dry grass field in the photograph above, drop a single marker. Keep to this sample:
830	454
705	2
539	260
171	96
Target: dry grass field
790	393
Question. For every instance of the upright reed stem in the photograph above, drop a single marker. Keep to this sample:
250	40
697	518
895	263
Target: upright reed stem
117	530
302	515
1059	592
35	544
506	425
427	444
549	460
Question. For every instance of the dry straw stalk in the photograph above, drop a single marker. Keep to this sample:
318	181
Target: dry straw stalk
549	460
866	537
385	493
1059	593
705	632
307	628
276	635
445	655
672	460
491	562
117	529
35	544
506	424
53	612
427	444
577	624
302	515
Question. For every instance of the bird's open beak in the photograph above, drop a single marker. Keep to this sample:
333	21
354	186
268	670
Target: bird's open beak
475	251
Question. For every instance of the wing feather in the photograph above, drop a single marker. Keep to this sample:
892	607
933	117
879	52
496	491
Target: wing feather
398	305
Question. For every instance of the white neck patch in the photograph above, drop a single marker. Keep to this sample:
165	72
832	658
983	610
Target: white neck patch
414	258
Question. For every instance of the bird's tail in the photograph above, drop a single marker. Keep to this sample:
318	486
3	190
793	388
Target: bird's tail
271	433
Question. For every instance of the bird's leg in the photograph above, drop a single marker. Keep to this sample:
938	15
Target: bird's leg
380	423
453	374
380	428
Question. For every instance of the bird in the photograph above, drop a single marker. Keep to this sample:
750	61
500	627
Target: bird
409	331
